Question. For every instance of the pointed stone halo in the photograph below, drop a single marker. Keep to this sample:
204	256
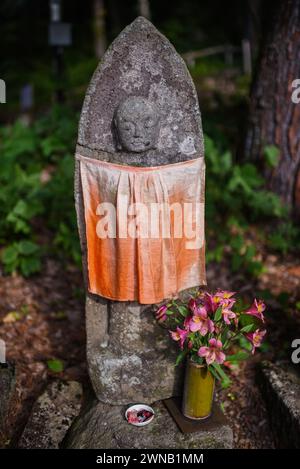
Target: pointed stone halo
142	62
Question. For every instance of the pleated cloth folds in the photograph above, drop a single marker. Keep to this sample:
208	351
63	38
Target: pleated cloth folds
144	229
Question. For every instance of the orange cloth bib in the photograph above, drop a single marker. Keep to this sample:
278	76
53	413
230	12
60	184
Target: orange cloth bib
144	229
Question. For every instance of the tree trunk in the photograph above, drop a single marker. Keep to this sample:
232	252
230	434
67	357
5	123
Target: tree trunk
144	8
114	14
99	28
274	119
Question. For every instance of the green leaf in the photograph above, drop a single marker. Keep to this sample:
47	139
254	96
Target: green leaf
226	161
237	242
180	357
221	373
248	328
27	247
10	254
247	320
222	407
56	366
245	343
237	356
21	209
226	383
250	252
271	154
30	265
218	314
183	310
213	372
224	335
236	262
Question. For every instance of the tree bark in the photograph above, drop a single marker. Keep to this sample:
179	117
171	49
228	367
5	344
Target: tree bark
99	28
274	118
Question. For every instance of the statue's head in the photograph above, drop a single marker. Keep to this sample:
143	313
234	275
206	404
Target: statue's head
136	123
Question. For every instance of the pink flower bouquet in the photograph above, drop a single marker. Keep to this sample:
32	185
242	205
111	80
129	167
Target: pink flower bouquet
208	325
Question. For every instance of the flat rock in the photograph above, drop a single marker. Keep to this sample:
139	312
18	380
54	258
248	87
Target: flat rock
52	415
280	385
104	426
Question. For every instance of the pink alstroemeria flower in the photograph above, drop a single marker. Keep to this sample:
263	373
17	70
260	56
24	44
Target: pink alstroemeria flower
227	315
224	294
179	335
256	338
212	353
193	305
257	310
187	323
201	322
227	302
161	313
222	297
211	302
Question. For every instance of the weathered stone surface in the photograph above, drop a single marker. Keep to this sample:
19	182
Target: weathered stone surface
52	415
129	356
142	62
138	361
104	426
7	386
280	385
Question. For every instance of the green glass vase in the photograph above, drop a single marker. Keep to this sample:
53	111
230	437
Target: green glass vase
198	391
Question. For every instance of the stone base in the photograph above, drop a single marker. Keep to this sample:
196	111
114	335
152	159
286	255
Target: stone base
138	376
104	426
280	385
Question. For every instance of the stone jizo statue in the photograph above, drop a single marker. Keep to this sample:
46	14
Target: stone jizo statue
140	137
140	112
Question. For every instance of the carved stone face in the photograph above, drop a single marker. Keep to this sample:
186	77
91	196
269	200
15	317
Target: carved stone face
137	124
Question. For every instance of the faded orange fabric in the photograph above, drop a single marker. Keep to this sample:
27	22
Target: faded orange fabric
138	264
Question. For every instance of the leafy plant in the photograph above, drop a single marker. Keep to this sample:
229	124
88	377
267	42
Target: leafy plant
36	191
235	199
23	256
284	237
